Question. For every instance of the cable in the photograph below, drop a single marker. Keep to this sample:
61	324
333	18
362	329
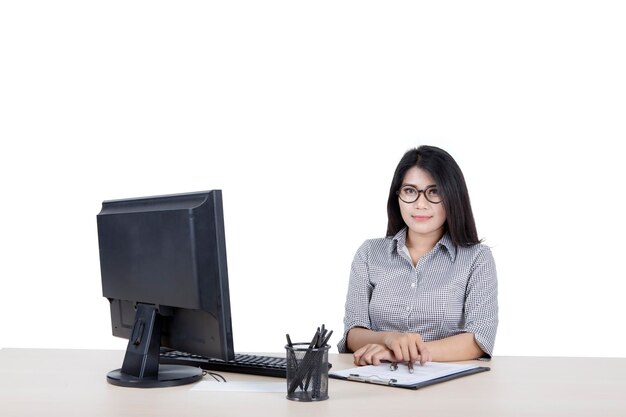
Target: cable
214	375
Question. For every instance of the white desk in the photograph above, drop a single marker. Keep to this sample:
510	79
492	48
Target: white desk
48	382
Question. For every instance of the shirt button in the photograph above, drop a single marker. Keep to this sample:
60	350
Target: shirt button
413	285
408	309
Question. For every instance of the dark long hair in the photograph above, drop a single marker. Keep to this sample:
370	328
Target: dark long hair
451	185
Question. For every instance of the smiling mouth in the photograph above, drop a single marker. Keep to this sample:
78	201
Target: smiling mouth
421	218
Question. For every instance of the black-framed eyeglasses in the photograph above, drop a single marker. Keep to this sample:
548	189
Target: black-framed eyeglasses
410	194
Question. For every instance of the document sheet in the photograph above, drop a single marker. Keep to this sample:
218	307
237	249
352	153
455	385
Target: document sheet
383	374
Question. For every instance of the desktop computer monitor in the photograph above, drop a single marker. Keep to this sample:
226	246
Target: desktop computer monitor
163	268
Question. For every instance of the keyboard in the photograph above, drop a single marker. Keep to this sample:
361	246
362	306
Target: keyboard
243	364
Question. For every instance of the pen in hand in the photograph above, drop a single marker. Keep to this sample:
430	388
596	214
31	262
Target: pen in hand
393	366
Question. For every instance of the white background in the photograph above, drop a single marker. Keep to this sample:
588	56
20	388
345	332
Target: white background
300	113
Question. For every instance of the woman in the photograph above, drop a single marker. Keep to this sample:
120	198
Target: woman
428	291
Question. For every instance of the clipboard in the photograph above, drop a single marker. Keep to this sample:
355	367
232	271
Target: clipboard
429	374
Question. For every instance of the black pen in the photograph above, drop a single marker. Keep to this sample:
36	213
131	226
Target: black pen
318	340
326	338
305	365
293	357
410	365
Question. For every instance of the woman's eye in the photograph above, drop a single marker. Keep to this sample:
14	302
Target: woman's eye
433	191
409	190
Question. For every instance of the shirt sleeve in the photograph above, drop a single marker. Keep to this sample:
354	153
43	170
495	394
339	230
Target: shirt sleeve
481	302
358	298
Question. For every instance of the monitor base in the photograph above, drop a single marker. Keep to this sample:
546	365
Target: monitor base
168	376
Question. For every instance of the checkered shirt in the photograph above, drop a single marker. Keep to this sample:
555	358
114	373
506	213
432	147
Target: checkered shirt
451	290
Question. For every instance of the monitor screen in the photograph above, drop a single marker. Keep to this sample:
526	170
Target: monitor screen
164	272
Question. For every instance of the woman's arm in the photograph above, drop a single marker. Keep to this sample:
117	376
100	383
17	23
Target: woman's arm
358	297
460	347
480	312
371	347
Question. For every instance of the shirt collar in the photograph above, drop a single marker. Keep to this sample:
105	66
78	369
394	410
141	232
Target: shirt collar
399	241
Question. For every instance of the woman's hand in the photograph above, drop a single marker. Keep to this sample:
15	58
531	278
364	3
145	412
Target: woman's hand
373	354
407	347
371	347
397	347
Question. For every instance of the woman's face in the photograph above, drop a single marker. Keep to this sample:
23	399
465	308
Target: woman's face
423	218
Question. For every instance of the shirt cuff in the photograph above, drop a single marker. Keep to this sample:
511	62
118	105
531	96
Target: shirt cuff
485	342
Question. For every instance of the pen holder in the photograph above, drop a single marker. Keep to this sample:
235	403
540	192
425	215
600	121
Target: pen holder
307	372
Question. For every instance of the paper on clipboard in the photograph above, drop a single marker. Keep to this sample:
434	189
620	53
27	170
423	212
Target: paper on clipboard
429	373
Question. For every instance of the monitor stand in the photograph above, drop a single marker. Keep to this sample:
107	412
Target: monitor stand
141	367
